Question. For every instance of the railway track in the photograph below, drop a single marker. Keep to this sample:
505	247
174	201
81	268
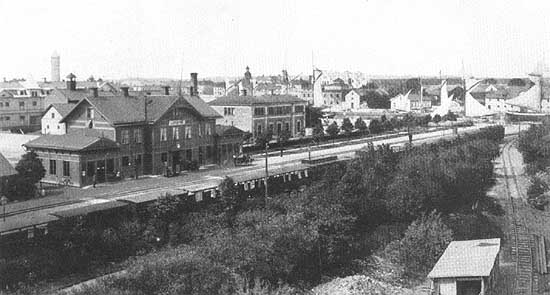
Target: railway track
523	241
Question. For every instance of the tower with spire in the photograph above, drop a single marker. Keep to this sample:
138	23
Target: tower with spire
247	86
55	67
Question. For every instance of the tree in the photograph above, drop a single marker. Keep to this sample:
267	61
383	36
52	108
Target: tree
424	241
491	81
516	82
30	167
361	125
436	118
263	139
346	127
413	84
283	137
333	129
29	172
231	199
375	126
318	132
450	116
313	116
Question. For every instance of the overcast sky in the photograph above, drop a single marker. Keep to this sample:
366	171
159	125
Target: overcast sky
120	39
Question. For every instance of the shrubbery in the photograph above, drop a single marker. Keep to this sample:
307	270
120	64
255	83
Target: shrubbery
235	244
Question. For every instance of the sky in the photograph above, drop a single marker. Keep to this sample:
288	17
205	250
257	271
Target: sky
154	39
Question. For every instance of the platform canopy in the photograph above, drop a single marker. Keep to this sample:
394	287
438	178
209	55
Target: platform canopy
473	258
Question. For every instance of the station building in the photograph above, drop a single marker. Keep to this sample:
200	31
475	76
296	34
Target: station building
121	136
259	114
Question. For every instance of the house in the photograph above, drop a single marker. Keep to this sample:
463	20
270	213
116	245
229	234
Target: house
420	103
6	171
20	109
466	267
400	103
122	136
352	100
51	120
258	114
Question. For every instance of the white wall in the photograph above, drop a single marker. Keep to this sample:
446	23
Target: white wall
447	287
51	125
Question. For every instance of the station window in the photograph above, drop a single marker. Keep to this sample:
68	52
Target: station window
53	167
188	132
125	161
124	136
175	133
66	168
137	135
163	136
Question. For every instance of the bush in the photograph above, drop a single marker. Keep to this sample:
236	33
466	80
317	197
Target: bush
333	129
423	243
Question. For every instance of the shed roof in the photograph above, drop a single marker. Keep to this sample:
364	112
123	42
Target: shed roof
473	258
6	169
72	142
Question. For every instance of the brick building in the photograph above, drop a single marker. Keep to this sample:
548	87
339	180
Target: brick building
124	136
256	114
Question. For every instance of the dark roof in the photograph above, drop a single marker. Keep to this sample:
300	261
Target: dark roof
131	109
201	107
5	167
62	108
228	130
72	142
254	100
84	210
70	95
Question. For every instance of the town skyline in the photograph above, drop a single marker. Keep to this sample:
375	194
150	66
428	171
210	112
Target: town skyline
378	38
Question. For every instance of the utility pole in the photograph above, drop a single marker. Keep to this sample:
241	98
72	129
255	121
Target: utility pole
266	173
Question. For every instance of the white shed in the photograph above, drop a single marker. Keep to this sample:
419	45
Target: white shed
466	268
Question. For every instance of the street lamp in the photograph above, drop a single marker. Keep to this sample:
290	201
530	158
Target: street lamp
4	201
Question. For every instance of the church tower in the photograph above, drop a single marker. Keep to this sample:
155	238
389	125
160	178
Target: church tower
56	62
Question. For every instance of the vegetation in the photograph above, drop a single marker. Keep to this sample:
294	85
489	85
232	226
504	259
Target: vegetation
333	129
30	171
534	145
236	244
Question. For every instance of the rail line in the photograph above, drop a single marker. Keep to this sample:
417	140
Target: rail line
522	239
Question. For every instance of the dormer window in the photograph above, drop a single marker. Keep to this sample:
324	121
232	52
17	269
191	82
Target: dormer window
90	113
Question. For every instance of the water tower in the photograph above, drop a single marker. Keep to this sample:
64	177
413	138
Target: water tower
56	61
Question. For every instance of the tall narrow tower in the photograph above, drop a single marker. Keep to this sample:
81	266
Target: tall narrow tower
56	60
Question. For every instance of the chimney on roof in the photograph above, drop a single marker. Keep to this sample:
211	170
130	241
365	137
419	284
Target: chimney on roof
94	91
125	91
194	90
71	82
166	90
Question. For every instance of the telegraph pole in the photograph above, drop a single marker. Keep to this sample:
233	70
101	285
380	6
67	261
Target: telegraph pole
266	172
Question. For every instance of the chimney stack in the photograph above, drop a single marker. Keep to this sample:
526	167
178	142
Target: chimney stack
71	82
94	91
195	88
125	91
166	90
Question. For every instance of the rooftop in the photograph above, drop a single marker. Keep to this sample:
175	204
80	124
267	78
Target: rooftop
73	142
6	169
131	109
255	100
473	258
